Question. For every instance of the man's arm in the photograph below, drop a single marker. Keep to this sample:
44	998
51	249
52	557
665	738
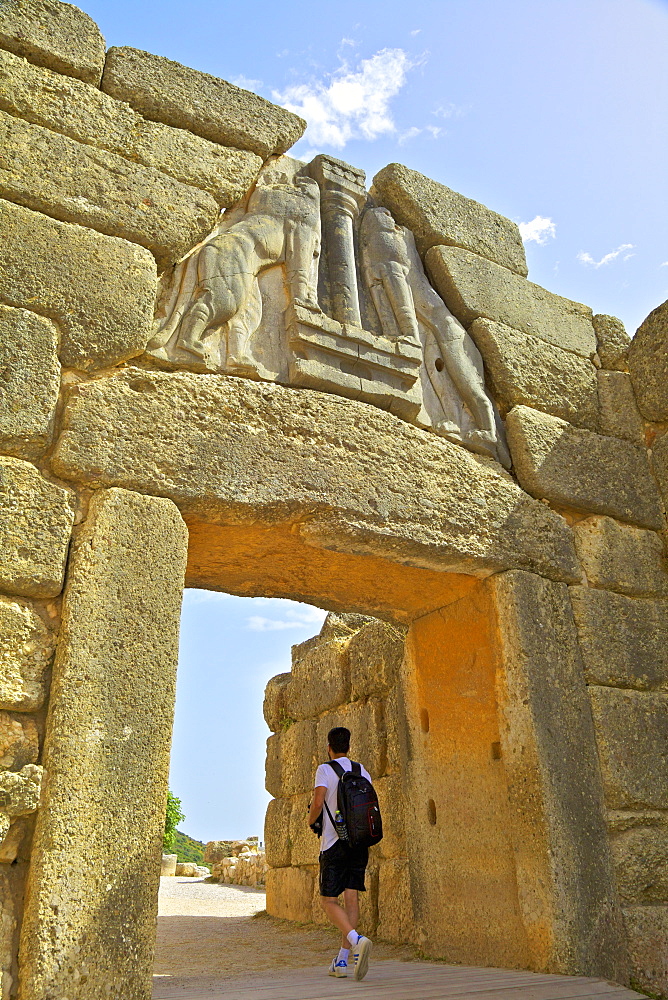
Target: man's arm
317	803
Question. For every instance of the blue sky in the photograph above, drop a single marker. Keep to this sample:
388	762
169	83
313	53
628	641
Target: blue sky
552	112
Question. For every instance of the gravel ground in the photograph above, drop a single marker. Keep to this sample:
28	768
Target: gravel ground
222	931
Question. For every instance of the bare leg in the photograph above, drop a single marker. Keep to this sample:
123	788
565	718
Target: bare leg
401	298
351	905
338	916
465	376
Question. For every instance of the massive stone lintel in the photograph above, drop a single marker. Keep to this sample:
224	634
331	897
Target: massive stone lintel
354	363
54	34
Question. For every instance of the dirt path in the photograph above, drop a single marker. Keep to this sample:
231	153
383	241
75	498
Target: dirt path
210	930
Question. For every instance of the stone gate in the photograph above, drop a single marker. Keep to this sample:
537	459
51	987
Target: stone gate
222	367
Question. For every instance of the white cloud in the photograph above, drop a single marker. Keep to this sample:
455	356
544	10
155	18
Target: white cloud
350	104
248	83
623	251
665	264
449	111
416	31
305	617
539	230
412	133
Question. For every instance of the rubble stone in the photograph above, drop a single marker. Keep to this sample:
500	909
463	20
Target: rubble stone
612	342
165	91
641	864
619	414
436	215
26	648
648	364
19	741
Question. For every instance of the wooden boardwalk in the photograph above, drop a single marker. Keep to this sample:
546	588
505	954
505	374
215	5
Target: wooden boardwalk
389	980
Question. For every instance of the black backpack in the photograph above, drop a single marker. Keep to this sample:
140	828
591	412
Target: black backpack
357	821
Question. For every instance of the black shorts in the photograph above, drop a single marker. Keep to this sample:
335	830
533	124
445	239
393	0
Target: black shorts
342	867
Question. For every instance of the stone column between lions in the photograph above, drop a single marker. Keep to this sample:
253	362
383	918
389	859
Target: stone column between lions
91	907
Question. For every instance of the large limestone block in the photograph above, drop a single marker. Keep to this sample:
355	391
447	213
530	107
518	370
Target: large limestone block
648	364
647	928
106	756
100	291
36	519
292	757
641	864
31	381
618	557
275	714
396	921
612	342
19	741
619	414
475	288
660	465
356	478
391	798
290	894
304	845
26	648
73	182
624	641
368	743
577	468
165	91
84	113
567	894
277	833
523	369
54	34
438	215
375	655
12	881
632	738
320	680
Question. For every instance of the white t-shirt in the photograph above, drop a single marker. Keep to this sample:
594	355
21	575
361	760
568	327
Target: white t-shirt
326	777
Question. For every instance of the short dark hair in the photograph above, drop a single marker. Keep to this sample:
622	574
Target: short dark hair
339	739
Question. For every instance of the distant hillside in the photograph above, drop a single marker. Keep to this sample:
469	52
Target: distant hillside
187	849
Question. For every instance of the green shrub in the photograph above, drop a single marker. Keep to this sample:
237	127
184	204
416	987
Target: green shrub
173	815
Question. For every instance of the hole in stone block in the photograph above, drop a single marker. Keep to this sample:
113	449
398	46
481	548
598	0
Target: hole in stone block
431	812
496	751
424	720
439	364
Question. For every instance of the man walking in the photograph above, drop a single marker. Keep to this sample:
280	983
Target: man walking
342	867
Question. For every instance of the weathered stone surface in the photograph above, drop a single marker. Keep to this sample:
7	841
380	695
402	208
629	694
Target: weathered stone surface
17	843
168	864
523	369
54	34
660	465
648	364
304	845
368	742
86	114
438	215
297	451
396	921
165	91
341	626
647	928
26	647
292	757
624	641
12	879
36	520
106	750
391	797
618	557
19	794
580	469
74	182
612	342
30	381
320	680
475	288
290	894
619	414
632	738
375	654
277	833
215	851
275	714
640	856
100	291
565	879
19	741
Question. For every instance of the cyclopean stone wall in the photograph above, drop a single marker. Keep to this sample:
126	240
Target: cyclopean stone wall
348	675
521	545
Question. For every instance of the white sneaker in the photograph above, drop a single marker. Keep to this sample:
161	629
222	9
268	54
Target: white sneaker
338	969
361	953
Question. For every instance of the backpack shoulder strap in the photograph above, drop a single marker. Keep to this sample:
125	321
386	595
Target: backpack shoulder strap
336	767
356	768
